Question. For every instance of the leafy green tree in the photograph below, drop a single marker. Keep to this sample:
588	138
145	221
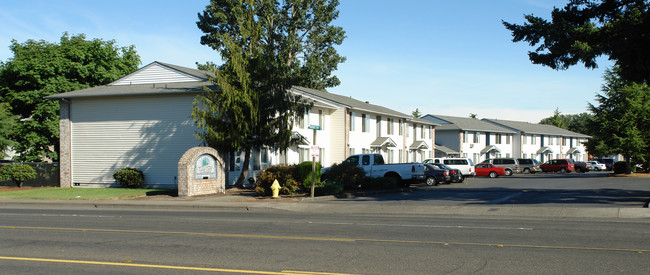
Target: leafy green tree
39	69
267	48
7	124
416	113
584	30
557	120
573	122
621	120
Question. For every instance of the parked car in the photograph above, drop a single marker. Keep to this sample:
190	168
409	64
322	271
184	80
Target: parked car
529	166
454	174
558	165
435	175
597	166
465	165
582	166
609	163
511	165
489	170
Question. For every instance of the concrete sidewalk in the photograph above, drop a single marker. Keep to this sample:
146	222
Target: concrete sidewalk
324	205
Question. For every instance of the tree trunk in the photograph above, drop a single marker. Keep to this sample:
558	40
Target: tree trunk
244	170
628	165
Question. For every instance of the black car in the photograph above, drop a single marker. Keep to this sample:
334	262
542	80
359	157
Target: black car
454	174
435	174
581	166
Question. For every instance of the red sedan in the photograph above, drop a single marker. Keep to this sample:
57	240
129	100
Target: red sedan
489	170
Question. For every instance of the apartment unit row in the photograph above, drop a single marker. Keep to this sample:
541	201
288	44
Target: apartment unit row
143	120
492	138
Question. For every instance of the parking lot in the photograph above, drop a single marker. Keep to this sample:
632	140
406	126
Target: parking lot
592	189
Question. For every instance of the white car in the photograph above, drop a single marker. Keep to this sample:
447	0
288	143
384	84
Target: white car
465	165
597	166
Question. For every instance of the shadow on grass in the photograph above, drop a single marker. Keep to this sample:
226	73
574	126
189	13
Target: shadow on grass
168	192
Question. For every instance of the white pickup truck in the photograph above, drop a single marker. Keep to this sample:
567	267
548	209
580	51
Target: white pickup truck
403	173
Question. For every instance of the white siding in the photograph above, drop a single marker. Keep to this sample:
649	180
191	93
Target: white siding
155	74
337	137
149	133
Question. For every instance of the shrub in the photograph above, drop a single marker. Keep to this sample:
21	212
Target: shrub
328	188
18	173
304	173
129	177
619	167
346	173
286	176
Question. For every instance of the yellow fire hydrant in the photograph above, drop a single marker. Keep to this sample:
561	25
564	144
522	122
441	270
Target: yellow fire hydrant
276	189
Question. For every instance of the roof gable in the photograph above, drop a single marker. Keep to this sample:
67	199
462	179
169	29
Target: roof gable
158	72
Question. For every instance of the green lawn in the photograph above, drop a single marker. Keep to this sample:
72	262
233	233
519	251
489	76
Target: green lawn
81	193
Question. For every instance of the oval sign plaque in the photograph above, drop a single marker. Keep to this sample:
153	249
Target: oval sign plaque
205	168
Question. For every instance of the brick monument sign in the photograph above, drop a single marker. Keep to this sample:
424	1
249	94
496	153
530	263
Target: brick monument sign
201	171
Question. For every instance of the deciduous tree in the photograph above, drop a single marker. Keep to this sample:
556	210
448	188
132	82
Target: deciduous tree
267	47
39	69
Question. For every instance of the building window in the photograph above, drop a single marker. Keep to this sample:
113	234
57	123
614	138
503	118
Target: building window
365	122
407	130
507	155
390	156
525	155
389	126
465	136
365	151
303	154
400	155
321	119
351	151
533	140
415	131
401	127
351	121
507	139
498	138
422	131
563	141
525	139
477	137
550	140
378	122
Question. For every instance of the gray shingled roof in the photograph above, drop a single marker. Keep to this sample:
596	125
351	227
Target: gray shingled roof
467	124
534	128
140	89
358	104
446	149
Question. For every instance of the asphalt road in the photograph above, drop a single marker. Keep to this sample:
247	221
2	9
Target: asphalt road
593	189
83	241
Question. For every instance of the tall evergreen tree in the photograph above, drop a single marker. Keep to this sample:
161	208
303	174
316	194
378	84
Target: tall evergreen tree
39	69
584	30
267	47
621	122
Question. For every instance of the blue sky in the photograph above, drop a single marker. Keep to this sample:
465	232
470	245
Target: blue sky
442	57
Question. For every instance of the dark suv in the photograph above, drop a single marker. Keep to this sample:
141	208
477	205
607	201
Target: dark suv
559	165
609	163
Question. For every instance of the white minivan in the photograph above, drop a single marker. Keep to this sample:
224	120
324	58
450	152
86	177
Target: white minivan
465	165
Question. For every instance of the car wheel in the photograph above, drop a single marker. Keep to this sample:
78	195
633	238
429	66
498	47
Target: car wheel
526	171
493	174
431	181
563	170
461	179
508	172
